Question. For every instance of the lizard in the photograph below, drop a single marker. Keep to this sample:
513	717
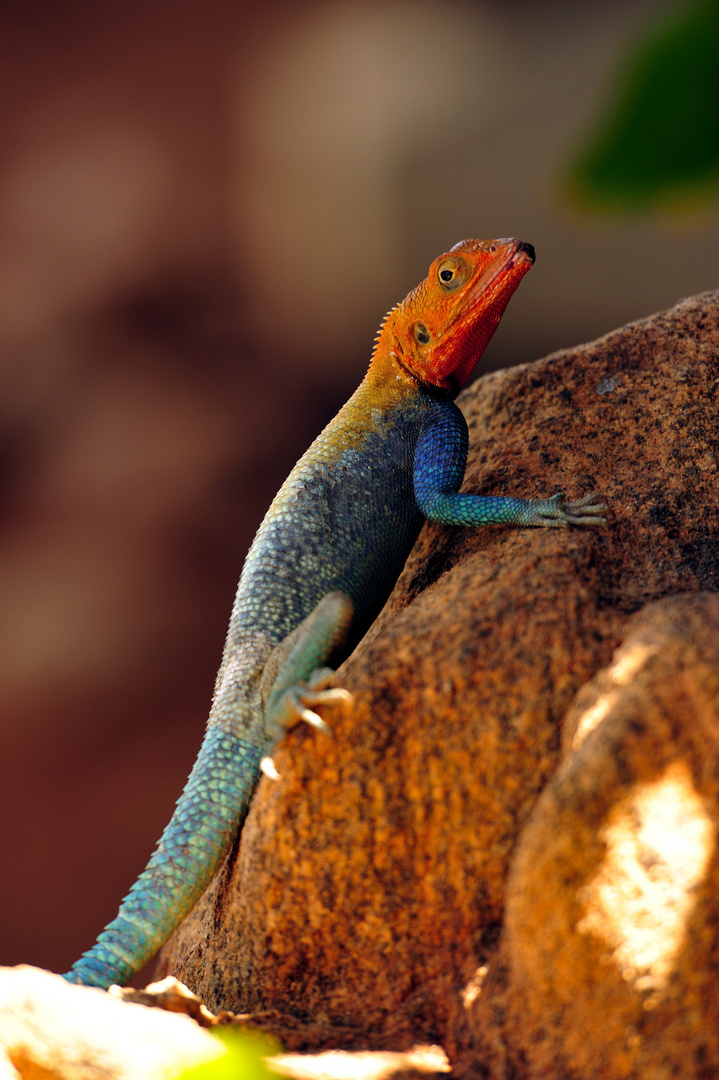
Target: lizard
323	563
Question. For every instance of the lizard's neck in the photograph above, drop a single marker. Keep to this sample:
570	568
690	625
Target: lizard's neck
389	379
386	387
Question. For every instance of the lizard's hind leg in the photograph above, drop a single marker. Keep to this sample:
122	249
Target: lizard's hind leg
295	680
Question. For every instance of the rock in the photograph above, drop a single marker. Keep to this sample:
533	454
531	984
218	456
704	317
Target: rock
49	1028
367	896
608	962
172	996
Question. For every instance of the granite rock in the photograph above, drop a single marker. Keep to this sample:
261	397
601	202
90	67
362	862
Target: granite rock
610	949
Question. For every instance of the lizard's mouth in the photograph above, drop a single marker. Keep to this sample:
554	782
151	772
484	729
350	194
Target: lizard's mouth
496	279
449	360
514	251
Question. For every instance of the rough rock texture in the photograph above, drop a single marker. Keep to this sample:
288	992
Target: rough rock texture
367	896
609	958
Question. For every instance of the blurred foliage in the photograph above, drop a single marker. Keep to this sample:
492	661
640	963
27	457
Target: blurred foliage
244	1059
658	142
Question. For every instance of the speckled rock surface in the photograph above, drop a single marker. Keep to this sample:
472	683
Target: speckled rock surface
609	963
368	889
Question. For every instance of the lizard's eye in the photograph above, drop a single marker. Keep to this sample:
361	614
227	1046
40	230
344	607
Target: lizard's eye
421	334
451	273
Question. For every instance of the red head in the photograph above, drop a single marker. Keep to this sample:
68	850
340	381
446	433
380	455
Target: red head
440	330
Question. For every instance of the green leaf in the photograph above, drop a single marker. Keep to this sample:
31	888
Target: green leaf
658	143
244	1059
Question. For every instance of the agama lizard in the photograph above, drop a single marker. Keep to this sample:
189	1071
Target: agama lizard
322	565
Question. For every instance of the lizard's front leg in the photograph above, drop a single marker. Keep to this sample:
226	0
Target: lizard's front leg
439	464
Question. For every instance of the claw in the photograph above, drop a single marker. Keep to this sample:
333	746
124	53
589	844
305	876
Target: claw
267	766
334	694
299	703
554	513
303	698
315	720
587	511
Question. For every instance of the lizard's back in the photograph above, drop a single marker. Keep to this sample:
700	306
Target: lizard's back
344	520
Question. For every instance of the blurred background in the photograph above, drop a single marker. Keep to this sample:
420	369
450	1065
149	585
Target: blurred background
205	210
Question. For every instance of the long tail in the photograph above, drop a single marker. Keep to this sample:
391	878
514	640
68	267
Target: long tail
217	795
209	813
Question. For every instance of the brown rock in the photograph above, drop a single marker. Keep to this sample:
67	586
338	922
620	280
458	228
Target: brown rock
368	889
609	965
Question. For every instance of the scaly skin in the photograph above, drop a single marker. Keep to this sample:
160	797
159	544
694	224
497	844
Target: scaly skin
324	561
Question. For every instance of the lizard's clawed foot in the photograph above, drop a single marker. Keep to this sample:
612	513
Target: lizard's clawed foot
555	513
301	703
591	510
298	705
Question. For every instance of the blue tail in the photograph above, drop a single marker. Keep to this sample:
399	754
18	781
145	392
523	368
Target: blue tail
208	815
